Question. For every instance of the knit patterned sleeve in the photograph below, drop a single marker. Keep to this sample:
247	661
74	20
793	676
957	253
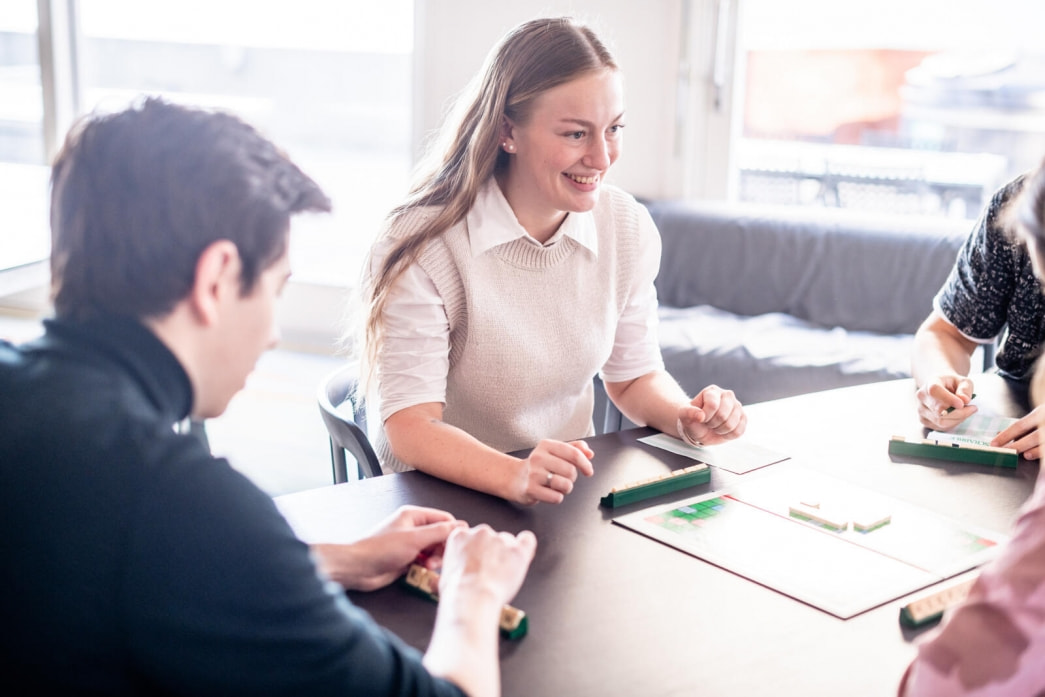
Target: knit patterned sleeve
978	292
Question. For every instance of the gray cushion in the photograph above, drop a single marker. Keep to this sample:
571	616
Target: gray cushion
831	267
773	355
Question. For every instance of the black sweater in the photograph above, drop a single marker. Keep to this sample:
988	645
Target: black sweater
134	562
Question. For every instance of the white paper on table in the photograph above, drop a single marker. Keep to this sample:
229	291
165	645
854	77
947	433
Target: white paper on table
978	429
736	456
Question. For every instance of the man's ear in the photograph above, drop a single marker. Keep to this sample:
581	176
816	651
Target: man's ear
217	280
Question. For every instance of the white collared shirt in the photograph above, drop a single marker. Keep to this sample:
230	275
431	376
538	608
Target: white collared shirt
414	358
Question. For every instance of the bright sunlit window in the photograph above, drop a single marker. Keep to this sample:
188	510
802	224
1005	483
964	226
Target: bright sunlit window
327	80
23	174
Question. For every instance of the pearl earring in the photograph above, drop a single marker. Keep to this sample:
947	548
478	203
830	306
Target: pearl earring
508	147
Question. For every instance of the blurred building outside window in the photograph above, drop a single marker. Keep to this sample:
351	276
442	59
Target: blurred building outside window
919	107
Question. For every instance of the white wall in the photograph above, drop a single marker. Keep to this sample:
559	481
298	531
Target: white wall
453	37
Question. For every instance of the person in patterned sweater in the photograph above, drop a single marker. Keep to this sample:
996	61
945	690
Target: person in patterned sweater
991	292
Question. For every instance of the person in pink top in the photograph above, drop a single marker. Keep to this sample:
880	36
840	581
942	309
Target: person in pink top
994	642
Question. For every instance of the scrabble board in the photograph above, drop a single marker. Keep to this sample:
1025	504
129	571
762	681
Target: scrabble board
839	547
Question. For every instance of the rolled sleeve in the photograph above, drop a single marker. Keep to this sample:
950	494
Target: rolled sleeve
636	345
413	361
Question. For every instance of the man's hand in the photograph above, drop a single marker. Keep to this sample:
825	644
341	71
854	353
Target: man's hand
482	561
385	554
482	571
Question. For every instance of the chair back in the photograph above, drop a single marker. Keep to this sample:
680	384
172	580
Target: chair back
345	420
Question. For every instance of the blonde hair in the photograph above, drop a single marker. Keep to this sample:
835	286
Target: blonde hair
529	60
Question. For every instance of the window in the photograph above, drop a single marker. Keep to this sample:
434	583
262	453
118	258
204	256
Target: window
327	80
888	105
23	175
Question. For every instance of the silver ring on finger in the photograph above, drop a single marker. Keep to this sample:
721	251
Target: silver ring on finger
548	480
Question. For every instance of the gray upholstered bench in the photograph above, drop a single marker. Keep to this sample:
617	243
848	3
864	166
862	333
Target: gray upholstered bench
777	301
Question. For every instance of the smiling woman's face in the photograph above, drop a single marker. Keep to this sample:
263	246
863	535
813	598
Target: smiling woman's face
562	153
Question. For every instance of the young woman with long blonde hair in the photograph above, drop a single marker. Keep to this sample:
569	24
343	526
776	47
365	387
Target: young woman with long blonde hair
512	275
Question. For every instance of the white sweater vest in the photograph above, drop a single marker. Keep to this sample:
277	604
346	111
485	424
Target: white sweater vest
530	327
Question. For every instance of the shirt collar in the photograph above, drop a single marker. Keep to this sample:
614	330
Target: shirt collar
492	222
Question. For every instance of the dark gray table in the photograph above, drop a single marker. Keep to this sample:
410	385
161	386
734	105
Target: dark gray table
614	613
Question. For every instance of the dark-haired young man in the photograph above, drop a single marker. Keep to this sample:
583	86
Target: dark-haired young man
136	563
